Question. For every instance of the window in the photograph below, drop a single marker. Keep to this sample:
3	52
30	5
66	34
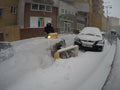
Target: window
39	22
41	7
69	12
67	26
65	11
48	8
62	11
34	6
13	9
0	11
73	13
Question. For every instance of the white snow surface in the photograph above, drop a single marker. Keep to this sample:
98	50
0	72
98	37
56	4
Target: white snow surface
114	79
90	33
33	68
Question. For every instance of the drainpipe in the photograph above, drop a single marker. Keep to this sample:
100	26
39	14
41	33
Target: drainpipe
20	18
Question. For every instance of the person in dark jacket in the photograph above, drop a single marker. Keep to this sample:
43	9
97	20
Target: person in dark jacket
48	28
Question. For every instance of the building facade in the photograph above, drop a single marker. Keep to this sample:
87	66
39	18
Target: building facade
8	12
83	10
73	15
9	31
66	16
98	14
37	13
114	21
34	15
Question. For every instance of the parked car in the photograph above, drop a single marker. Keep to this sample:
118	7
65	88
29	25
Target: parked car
90	38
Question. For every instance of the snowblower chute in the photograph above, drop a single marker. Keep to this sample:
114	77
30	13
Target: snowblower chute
67	52
60	50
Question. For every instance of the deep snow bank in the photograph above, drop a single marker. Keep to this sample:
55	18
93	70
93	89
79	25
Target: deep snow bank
25	70
6	51
114	79
29	55
85	72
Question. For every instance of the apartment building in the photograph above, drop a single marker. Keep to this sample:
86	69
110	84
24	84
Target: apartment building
114	21
34	16
73	15
98	14
66	16
9	30
82	14
85	7
8	12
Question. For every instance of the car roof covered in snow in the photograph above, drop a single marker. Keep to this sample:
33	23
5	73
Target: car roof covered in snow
92	30
90	33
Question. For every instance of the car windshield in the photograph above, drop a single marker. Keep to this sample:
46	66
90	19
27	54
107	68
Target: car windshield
90	34
98	35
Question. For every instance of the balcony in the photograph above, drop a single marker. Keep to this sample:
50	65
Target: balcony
83	7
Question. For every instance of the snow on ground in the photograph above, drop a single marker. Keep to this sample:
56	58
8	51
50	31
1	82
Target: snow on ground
114	79
32	67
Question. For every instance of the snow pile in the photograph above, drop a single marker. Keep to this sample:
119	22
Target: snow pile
114	79
6	51
29	55
32	67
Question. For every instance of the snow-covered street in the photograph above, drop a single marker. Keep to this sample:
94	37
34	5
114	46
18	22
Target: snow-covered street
33	68
114	77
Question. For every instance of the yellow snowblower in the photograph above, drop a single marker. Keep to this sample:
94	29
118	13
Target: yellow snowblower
52	35
59	50
67	52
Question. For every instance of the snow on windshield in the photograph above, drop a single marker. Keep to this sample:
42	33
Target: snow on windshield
91	31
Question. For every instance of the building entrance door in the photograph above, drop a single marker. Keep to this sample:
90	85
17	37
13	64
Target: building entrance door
67	27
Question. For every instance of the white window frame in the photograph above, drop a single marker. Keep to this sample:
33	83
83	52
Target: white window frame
13	9
49	6
39	7
63	11
67	27
34	9
66	11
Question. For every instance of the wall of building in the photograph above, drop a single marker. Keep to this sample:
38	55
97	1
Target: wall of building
83	6
114	21
7	18
70	8
99	21
104	23
28	13
96	20
10	33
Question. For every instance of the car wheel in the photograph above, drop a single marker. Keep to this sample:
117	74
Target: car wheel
100	49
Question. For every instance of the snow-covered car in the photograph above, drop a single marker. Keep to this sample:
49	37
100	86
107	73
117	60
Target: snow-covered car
90	38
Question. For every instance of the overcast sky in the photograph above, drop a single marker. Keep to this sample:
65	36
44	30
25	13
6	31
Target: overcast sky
115	10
